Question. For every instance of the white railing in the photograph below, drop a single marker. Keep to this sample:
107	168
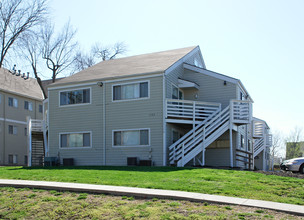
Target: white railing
193	110
241	111
207	131
258	128
269	140
258	146
202	133
37	125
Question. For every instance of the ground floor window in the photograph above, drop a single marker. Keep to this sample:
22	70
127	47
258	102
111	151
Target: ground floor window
68	140
132	137
12	129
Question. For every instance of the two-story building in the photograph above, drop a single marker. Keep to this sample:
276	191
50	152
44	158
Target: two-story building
20	98
163	108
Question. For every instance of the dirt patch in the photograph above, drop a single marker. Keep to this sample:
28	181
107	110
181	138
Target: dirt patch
282	173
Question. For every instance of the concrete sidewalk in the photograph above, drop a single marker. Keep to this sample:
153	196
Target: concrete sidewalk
154	193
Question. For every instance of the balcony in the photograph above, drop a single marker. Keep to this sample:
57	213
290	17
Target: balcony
241	111
189	112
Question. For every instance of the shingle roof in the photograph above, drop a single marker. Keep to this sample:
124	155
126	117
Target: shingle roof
134	65
17	85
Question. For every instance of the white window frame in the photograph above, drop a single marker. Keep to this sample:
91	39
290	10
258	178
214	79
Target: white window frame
78	132
29	103
128	83
15	102
15	130
135	129
70	90
179	90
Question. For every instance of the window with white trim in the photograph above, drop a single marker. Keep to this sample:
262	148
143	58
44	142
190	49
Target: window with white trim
71	140
12	129
28	105
127	138
242	141
80	96
12	102
40	108
177	93
131	91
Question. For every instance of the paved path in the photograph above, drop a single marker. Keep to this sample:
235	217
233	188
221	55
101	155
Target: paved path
152	193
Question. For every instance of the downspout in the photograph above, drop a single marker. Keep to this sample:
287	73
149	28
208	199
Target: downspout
4	127
104	123
164	122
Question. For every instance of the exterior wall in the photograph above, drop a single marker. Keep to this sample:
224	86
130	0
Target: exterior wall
218	153
119	115
15	144
211	89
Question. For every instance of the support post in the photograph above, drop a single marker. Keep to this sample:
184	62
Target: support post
193	112
230	134
183	154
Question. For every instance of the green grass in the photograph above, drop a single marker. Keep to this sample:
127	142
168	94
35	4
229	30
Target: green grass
19	204
244	184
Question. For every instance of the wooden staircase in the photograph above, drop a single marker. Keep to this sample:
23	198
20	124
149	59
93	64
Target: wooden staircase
208	130
37	149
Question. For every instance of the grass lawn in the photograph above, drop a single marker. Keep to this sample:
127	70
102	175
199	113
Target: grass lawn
244	184
41	204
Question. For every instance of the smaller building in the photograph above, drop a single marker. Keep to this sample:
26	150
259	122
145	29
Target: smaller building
20	98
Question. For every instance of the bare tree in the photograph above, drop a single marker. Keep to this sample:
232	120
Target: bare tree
109	52
30	50
58	51
17	17
293	143
83	61
277	147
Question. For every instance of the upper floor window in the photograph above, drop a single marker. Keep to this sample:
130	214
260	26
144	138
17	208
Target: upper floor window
13	102
40	108
79	96
131	137
131	91
28	105
177	93
12	129
75	140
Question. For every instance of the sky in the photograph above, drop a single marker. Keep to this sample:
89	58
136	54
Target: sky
260	42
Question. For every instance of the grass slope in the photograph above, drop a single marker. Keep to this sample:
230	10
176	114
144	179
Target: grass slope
234	183
41	204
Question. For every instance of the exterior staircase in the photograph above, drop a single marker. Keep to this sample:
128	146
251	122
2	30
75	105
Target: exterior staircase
207	130
37	142
263	139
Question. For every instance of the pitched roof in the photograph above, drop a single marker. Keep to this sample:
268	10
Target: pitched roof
134	65
17	85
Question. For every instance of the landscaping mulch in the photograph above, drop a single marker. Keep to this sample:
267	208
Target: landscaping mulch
282	173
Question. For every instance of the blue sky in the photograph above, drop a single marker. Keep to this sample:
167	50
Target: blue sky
260	42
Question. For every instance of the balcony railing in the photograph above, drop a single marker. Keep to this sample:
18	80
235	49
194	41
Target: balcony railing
241	111
190	110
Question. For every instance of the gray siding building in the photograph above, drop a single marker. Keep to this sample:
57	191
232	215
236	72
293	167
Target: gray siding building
162	108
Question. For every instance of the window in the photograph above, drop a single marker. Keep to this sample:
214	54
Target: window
40	108
75	140
28	105
12	159
242	141
80	96
12	129
131	91
177	93
131	137
241	96
13	102
249	145
25	131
